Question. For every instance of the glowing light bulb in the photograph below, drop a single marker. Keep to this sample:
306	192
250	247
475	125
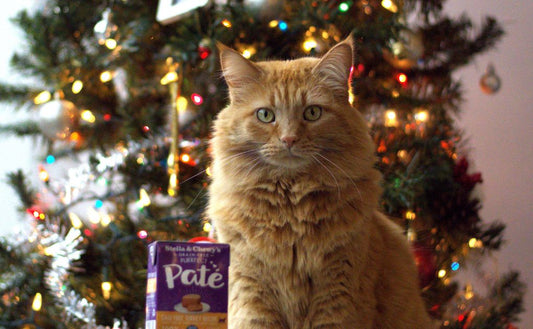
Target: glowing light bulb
401	78
50	159
185	158
309	44
208	171
171	76
37	302
142	234
283	26
273	23
111	43
105	220
247	53
422	116
410	215
75	220
441	274
43	174
390	119
226	22
88	116
389	5
455	266
197	99
106	289
207	227
42	97
182	103
144	199
343	7
77	86
106	76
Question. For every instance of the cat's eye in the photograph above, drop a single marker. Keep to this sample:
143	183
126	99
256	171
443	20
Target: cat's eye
265	115
312	113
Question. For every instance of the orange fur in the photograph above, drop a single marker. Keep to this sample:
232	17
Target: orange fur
297	201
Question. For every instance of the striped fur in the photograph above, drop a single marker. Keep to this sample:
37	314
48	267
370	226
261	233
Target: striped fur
309	250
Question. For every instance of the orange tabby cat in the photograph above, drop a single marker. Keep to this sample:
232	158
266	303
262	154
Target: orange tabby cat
295	194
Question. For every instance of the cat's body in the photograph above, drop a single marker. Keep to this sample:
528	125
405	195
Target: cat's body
295	194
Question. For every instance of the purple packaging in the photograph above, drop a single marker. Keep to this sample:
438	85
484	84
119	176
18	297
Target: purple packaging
187	285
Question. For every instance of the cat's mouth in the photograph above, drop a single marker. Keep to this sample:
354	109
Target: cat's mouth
289	159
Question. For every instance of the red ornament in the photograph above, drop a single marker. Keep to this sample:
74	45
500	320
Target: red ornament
203	239
425	262
468	181
204	52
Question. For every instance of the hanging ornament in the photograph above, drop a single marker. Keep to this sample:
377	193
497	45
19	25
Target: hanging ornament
172	80
204	48
406	52
425	262
105	31
490	82
57	118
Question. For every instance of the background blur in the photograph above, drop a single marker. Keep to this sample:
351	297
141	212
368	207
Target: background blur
499	129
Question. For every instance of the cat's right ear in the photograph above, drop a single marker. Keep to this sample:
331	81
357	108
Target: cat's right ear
237	70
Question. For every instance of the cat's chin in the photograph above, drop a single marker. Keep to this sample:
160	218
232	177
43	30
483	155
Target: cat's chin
289	162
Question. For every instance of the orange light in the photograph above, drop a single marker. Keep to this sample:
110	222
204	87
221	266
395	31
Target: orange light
185	158
226	23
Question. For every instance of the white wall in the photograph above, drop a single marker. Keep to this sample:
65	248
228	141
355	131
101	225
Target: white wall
500	132
15	153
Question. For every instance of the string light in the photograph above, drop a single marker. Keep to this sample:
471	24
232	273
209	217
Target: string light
42	97
309	44
421	116
77	86
401	78
197	99
111	44
273	23
455	266
343	7
106	289
410	215
88	116
37	302
105	220
389	5
283	26
106	76
207	227
43	174
75	220
390	118
144	199
226	22
171	76
50	159
142	234
441	274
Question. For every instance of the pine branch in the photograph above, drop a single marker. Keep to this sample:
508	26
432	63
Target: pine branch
18	181
21	129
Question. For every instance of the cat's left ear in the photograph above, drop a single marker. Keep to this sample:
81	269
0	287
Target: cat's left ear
334	67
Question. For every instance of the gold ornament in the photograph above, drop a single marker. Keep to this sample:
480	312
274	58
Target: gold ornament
172	80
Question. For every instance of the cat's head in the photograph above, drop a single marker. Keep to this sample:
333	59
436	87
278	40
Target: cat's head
290	117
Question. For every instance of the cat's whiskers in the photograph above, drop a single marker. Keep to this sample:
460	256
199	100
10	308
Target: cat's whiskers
344	173
330	173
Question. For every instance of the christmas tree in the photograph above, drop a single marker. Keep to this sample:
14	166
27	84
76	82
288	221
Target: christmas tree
126	94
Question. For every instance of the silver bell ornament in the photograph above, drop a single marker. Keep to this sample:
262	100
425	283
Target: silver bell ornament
58	118
490	82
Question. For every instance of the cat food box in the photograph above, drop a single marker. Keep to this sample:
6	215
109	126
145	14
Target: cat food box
187	285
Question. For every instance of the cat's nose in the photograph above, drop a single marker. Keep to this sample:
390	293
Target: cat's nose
288	141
